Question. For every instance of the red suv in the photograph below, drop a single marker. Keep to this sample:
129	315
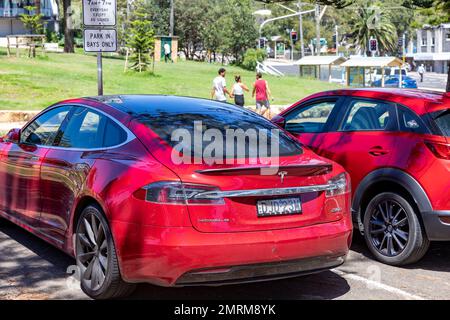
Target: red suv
395	144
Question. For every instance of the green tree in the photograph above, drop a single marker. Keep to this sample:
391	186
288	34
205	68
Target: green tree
242	33
215	29
32	20
140	38
190	20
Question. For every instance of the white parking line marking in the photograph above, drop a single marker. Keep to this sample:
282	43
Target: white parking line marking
379	285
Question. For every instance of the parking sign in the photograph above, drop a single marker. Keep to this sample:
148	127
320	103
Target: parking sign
99	13
100	40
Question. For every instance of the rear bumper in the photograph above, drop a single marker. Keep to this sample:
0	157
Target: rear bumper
436	229
179	256
259	272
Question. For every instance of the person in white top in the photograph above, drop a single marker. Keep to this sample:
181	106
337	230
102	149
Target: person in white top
238	91
219	89
421	71
167	53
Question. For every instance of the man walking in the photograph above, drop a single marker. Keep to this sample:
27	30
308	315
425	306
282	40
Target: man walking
167	53
421	70
262	92
219	89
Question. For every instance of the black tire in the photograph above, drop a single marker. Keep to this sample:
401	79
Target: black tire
96	257
390	221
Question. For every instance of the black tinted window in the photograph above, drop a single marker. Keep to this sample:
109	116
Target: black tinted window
410	122
367	115
43	130
442	120
88	129
114	135
220	120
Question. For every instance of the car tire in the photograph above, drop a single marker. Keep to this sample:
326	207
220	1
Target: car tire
96	257
393	231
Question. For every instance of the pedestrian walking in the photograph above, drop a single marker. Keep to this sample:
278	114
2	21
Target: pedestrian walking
421	70
262	93
219	89
237	92
167	53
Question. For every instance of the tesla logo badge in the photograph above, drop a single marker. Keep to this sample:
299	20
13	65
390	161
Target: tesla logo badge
282	174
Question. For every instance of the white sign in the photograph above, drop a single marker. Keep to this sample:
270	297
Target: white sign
104	40
99	13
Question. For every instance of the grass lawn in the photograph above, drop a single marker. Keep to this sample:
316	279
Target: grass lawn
36	83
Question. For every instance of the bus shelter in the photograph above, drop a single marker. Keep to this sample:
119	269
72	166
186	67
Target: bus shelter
356	68
311	66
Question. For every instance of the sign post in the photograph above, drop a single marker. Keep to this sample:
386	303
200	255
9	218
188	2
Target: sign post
99	73
100	34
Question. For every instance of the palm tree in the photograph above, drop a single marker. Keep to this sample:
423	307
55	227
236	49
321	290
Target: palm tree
374	22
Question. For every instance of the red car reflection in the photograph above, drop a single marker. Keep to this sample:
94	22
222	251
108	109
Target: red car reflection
97	178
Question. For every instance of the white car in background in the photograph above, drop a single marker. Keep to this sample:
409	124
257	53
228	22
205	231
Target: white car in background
394	71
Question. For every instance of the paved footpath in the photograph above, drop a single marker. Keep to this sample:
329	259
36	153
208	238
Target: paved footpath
32	269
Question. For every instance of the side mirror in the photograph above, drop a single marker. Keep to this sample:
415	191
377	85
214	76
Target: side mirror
279	121
13	136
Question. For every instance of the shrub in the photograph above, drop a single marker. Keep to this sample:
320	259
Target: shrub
32	21
252	57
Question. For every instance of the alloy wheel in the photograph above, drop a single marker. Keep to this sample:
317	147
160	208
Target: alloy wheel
389	228
92	251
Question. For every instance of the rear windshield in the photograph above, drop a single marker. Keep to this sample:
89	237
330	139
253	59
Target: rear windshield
235	132
442	120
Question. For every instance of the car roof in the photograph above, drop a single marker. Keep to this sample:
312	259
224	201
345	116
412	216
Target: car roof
420	101
138	104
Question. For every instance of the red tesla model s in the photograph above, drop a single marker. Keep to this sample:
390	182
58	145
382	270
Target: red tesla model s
100	178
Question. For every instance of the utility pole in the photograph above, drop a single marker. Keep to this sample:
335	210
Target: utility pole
318	29
172	23
302	40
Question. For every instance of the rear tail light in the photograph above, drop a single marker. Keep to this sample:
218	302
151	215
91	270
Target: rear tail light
341	183
168	192
440	150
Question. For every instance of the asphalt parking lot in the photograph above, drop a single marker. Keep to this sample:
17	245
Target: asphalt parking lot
32	269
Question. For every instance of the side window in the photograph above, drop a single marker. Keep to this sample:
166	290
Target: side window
43	130
365	115
410	122
88	129
310	119
114	135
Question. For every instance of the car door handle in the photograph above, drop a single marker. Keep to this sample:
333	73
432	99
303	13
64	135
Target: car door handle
378	151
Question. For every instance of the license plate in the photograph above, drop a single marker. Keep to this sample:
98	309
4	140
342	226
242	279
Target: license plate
279	207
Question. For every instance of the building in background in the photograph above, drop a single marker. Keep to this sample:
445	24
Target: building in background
433	48
10	11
